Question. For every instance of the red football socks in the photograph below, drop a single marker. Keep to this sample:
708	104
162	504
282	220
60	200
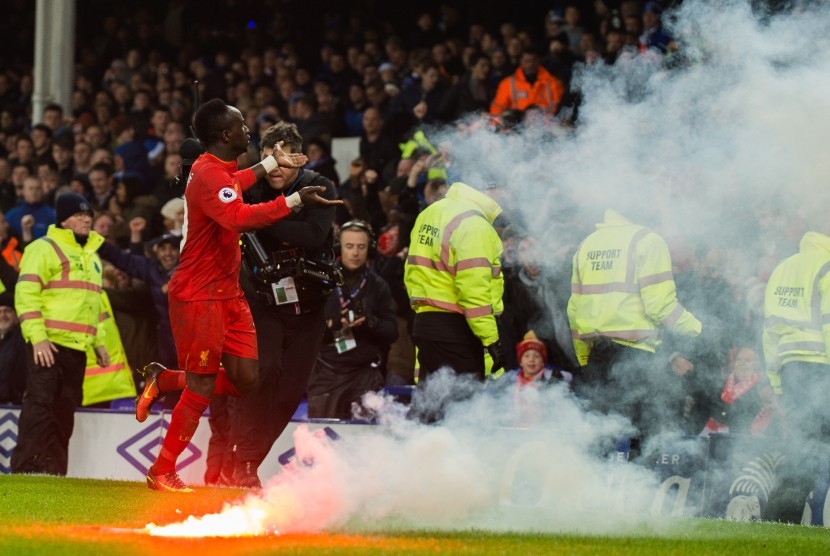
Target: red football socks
183	424
171	380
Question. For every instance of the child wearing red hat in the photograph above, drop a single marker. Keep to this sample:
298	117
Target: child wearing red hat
532	373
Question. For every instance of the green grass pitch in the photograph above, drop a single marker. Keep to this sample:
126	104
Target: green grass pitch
49	515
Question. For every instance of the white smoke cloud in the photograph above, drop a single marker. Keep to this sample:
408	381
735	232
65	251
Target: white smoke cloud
472	471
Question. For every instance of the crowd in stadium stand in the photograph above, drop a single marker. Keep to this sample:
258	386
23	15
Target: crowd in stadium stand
334	73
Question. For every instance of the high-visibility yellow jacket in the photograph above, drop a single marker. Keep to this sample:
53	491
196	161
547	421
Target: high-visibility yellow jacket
797	307
454	262
115	381
58	293
622	287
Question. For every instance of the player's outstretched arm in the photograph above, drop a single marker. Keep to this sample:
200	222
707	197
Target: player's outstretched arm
279	158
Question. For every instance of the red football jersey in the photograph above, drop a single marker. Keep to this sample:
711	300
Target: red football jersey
214	217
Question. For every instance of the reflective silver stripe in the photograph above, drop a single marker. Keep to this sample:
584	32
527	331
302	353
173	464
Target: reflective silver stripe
770	322
631	335
653	279
801	346
590	289
816	299
514	102
673	316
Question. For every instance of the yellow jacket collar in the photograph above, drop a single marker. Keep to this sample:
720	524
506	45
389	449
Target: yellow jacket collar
463	192
814	241
613	218
67	236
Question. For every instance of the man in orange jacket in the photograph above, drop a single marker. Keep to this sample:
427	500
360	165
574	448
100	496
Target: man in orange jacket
530	85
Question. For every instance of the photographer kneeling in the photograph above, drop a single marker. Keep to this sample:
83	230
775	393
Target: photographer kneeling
361	326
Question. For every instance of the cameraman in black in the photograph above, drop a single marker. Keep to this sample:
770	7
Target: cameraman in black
287	307
361	325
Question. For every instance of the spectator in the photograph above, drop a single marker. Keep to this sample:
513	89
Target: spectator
42	143
62	149
533	373
353	114
529	85
24	151
471	94
101	182
31	204
156	273
303	112
420	101
10	248
653	34
360	327
81	158
320	160
749	405
59	323
12	352
53	119
377	149
173	214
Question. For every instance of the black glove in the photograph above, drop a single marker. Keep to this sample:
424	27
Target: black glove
496	351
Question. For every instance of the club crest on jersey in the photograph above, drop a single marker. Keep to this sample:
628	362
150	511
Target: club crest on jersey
227	194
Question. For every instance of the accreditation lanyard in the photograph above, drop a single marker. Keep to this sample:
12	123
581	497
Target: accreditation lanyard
346	301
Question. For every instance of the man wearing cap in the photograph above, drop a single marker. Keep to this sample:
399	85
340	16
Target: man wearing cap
58	300
12	352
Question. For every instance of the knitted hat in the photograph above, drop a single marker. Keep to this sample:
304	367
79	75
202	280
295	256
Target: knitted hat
530	341
7	299
69	204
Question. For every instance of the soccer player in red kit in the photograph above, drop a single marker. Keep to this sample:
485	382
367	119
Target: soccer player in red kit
212	324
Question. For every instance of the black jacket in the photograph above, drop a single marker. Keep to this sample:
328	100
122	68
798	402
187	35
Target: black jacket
308	231
373	338
151	273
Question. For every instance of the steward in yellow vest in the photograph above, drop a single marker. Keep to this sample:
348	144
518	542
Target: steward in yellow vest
58	300
622	296
113	381
454	281
797	356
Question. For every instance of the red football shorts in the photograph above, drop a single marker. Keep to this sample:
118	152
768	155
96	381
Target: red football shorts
204	330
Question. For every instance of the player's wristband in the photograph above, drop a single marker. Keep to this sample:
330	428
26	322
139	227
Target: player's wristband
294	200
269	163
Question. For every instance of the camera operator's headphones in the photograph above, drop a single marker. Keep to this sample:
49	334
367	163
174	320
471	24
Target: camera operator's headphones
359	226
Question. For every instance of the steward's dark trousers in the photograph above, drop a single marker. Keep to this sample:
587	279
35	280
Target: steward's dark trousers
631	382
462	352
48	414
804	388
288	346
